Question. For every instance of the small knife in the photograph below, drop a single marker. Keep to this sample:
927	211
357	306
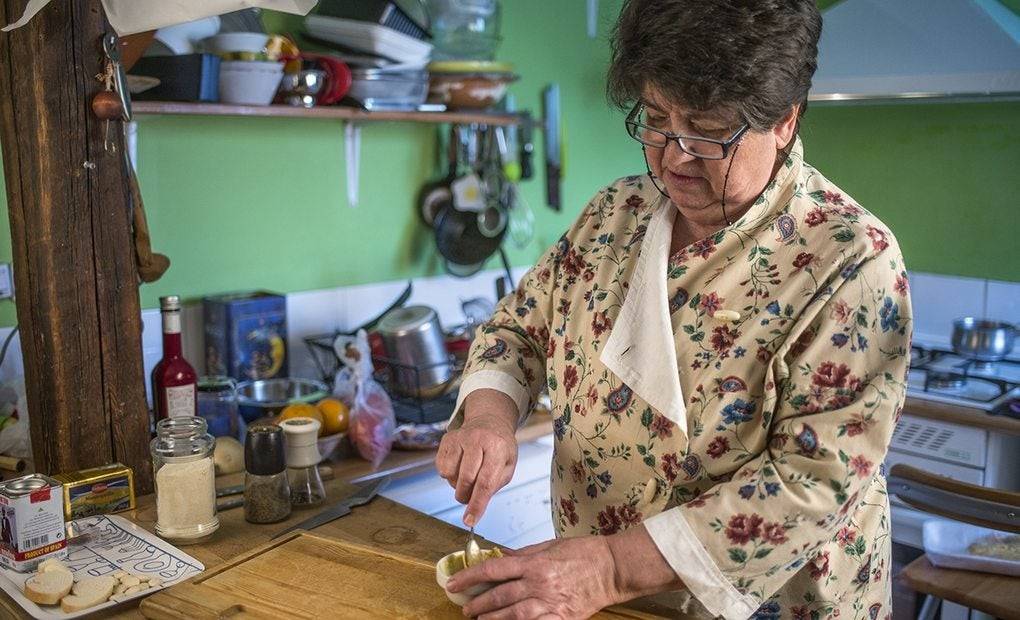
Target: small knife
226	491
362	496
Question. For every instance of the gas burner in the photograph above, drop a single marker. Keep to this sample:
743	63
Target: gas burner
978	366
945	381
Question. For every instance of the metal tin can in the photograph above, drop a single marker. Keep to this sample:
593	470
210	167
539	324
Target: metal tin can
100	490
31	521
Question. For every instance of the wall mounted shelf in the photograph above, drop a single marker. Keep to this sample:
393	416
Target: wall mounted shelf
327	112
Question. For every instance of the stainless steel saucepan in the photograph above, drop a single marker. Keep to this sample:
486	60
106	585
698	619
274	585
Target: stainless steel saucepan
982	339
414	339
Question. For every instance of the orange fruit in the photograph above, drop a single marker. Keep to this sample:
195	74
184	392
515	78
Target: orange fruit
335	415
301	410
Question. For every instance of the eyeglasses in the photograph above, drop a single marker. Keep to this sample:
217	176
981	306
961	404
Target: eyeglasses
697	146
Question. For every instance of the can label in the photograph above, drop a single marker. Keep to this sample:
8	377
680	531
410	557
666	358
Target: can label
31	522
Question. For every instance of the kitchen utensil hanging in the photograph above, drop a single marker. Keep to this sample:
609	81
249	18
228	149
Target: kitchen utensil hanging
553	145
470	226
352	158
436	196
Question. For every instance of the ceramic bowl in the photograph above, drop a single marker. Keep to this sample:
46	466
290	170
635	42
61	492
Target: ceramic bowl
454	563
469	91
329	443
249	82
233	42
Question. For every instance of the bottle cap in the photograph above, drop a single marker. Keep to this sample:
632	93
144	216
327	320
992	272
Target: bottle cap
170	303
301	439
264	451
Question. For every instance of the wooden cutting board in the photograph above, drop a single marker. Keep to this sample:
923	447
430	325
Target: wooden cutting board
308	576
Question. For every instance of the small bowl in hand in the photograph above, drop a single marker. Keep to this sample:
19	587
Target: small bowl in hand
454	563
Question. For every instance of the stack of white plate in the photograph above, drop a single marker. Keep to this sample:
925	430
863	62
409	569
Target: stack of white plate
370	38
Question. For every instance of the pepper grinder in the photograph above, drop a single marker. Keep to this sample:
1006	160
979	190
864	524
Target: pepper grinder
266	488
301	439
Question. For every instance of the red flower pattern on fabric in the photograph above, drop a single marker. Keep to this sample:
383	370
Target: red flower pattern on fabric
743	528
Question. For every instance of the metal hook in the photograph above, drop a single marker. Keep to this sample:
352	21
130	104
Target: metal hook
111	47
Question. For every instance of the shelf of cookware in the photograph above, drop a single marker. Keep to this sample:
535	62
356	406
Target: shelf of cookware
328	112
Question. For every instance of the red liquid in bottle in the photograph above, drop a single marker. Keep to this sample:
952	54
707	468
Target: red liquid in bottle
173	379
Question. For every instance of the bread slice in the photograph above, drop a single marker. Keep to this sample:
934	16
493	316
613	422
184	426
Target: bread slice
89	592
49	587
52	564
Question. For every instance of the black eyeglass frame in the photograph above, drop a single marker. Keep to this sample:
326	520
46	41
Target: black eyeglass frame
632	130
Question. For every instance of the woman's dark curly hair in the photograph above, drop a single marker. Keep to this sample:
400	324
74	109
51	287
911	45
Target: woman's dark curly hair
754	58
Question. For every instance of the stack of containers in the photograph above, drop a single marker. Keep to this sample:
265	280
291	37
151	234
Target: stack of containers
384	45
466	37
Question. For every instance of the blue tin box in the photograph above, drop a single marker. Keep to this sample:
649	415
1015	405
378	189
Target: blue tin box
246	335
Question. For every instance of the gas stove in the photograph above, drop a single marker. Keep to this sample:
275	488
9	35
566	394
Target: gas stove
945	377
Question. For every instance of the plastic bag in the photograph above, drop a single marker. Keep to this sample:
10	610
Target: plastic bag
14	431
372	421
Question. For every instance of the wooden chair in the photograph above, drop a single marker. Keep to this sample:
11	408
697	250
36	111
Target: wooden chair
998	595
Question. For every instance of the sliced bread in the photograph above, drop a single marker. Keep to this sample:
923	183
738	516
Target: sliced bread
52	564
89	592
49	587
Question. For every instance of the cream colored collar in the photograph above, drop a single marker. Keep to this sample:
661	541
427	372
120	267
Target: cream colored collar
641	350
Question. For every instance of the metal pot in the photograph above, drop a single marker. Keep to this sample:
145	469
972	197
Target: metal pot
415	343
982	340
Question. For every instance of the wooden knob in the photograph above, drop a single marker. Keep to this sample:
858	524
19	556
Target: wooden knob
106	106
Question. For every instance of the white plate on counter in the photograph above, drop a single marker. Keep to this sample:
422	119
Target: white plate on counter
947	545
113	544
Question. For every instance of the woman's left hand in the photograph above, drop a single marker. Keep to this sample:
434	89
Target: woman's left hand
566	578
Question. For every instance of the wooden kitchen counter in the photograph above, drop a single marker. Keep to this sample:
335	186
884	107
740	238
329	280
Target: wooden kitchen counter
382	523
956	414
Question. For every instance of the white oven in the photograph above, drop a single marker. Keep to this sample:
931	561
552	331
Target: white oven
960	452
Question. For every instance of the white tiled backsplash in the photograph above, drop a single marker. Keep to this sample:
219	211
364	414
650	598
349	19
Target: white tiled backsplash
308	313
937	300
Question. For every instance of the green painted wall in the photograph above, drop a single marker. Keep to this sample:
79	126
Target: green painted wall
246	203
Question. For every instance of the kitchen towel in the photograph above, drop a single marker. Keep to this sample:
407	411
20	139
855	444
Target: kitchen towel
131	16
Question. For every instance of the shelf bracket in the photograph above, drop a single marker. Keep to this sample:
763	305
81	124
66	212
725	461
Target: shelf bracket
352	158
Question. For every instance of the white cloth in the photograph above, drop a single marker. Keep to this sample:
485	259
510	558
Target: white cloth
131	16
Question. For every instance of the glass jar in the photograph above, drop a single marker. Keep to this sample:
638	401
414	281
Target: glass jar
182	461
464	29
217	404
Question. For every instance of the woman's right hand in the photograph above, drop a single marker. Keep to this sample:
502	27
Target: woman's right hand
479	458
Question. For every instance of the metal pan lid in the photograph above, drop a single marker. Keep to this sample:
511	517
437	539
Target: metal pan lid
406	319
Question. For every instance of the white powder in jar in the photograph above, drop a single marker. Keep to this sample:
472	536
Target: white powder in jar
186	499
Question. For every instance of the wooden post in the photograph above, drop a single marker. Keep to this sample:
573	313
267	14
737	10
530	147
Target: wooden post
75	279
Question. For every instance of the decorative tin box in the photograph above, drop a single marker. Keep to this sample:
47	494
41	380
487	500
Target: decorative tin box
246	335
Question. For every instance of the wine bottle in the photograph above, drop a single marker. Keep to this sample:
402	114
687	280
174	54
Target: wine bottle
173	379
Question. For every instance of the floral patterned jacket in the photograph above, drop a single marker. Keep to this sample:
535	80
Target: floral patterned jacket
737	397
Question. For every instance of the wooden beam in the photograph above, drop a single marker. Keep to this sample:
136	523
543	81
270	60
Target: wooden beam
75	276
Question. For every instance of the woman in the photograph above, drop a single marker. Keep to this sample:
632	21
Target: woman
725	341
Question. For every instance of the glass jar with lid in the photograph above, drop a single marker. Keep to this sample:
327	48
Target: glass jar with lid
217	403
182	460
464	29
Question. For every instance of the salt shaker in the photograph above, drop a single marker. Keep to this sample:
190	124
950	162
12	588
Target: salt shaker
266	488
301	439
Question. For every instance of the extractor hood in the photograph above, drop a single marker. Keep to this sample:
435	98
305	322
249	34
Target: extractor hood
918	49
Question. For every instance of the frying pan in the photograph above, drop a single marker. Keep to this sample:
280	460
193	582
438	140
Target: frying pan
437	195
469	237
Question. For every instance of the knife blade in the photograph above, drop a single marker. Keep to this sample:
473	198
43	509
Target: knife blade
227	491
360	497
553	145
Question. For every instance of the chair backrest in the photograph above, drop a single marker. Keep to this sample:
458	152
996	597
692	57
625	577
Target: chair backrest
960	501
